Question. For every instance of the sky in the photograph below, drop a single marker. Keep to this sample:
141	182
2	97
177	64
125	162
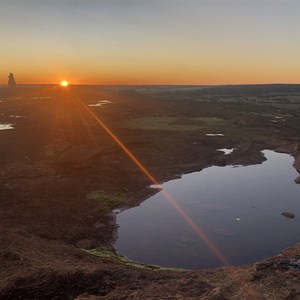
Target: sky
150	41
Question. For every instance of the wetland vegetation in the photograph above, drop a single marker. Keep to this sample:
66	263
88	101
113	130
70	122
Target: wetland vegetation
63	176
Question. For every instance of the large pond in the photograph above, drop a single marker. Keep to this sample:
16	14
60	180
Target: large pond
238	208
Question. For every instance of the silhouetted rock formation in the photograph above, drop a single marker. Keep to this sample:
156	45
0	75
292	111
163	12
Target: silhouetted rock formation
11	80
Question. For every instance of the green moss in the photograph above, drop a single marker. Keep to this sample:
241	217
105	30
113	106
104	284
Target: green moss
108	201
172	123
205	124
109	253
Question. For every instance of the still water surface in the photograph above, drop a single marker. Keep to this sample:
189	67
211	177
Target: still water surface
239	209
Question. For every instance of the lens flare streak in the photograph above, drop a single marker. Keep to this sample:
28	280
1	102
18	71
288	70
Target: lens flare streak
171	200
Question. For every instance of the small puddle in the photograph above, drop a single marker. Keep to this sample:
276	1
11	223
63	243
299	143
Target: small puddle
41	98
237	207
12	116
100	103
6	126
226	151
214	134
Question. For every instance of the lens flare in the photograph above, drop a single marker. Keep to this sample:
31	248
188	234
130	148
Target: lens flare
153	180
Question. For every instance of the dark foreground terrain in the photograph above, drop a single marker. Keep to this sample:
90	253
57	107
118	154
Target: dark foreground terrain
62	174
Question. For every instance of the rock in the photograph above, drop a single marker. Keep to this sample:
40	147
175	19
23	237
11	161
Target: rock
297	180
11	80
297	163
288	214
291	263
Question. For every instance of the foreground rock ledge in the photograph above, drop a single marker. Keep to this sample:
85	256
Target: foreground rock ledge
81	276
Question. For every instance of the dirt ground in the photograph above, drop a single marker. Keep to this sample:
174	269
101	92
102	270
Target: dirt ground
62	152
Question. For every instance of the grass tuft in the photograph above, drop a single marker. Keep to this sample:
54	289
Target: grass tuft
108	201
109	253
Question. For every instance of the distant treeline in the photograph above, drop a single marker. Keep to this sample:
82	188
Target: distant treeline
250	89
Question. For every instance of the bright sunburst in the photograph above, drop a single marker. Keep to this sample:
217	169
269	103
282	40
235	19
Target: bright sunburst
64	83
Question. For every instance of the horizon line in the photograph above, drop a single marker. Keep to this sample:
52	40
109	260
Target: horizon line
89	84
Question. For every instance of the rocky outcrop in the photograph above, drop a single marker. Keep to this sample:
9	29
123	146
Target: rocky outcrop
11	80
297	163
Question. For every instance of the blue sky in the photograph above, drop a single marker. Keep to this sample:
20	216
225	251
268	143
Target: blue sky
140	42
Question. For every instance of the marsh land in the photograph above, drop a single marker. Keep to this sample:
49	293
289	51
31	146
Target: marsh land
64	172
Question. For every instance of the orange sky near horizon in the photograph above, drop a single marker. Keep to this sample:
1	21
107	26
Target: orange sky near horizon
160	42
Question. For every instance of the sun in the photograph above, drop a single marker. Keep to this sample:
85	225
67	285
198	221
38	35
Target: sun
64	83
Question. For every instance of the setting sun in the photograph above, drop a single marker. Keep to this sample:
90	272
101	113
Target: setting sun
64	83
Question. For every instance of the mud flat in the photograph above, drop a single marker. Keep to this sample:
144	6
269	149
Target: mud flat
62	175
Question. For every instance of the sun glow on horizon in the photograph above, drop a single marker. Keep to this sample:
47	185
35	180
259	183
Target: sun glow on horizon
64	83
